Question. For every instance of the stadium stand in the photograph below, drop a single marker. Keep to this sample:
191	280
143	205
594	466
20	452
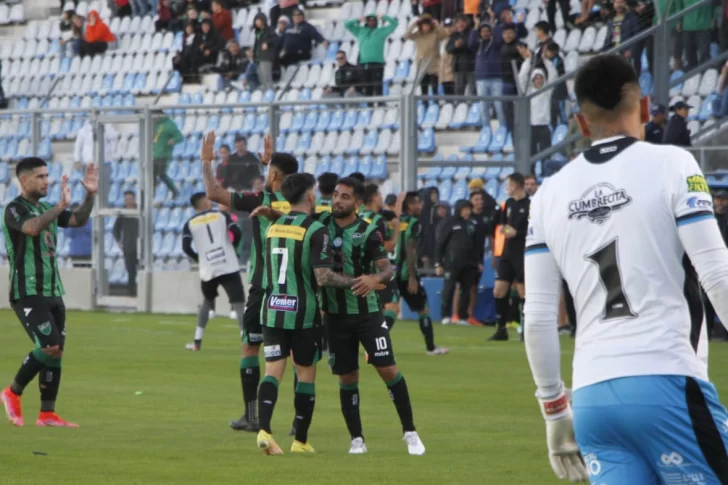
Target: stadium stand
137	71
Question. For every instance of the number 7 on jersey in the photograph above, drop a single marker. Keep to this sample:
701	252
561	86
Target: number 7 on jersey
283	267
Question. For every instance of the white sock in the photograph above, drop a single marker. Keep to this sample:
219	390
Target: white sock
199	332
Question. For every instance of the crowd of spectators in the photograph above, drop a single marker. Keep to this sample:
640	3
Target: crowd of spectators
83	37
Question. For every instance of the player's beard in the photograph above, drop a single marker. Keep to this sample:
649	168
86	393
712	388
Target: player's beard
342	214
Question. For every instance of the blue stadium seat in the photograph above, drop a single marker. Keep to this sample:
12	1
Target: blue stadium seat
55	171
508	146
4	173
402	71
179	149
379	168
459	191
248	124
281	143
448	172
337	166
175	220
12	192
365	165
559	134
133	172
304	142
432	173
336	121
162	219
431	116
445	189
421	109
706	109
323	165
109	223
113	194
160	195
370	142
183	171
481	144
491	186
498	140
351	165
297	124
474	118
676	90
492	172
331	52
78	193
364	119
426	141
167	245
261	124
310	122
54	194
462	173
349	120
195	171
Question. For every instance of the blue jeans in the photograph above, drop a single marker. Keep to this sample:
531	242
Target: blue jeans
140	7
652	430
486	88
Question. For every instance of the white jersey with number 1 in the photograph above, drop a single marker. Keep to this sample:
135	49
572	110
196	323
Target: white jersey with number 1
209	231
618	223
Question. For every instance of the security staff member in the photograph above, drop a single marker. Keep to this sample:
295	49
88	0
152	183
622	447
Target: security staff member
655	128
457	258
677	132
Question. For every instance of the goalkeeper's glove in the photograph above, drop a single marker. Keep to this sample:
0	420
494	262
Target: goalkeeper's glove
564	453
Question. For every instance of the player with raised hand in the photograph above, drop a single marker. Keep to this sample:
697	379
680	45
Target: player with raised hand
298	261
36	291
644	411
353	315
280	165
387	223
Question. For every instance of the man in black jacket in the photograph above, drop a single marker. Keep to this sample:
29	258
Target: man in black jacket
560	94
456	257
463	57
655	128
265	49
677	132
346	78
233	64
509	54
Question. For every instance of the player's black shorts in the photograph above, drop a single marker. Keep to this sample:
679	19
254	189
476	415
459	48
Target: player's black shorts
252	329
232	283
389	293
305	344
417	302
346	332
44	318
510	270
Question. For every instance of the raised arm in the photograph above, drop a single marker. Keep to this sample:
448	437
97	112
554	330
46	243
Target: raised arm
215	192
90	182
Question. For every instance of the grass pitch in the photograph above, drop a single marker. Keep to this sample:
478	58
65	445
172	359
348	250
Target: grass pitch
474	409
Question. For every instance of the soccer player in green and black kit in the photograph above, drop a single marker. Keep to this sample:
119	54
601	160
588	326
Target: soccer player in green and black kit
36	290
353	315
280	165
298	261
408	279
326	185
387	223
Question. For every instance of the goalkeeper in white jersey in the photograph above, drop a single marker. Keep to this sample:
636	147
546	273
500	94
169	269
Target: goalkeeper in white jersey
630	227
215	236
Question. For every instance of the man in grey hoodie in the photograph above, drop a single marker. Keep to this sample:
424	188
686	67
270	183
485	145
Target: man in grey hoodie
531	79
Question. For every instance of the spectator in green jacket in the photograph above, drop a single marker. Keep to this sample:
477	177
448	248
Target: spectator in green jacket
696	27
372	38
166	136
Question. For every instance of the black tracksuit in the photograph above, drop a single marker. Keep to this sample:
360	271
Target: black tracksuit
456	250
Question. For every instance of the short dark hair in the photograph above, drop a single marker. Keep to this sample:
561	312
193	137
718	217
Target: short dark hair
543	26
133	194
410	197
477	192
509	27
196	198
285	162
553	47
602	80
295	186
517	178
462	16
356	186
29	164
530	176
359	176
241	138
341	52
370	190
327	183
225	145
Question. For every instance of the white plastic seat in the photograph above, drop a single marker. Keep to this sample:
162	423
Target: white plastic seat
114	26
124	27
85	67
691	85
136	25
31	30
600	39
17	14
128	64
326	77
86	82
190	122
408	51
383	142
300	78
572	40
44	67
446	115
329	143
18	50
395	145
82	8
586	43
146	42
167	42
708	82
342	143
314	74
146	24
4	14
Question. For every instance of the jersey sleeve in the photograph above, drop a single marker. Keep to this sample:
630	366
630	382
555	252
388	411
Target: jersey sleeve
375	246
15	216
320	249
246	201
690	197
543	286
64	219
416	231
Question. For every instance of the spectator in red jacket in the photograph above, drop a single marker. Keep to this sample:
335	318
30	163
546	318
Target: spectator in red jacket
97	37
222	20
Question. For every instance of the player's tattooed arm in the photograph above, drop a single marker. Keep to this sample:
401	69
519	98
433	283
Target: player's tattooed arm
215	192
327	277
412	257
384	270
34	226
80	216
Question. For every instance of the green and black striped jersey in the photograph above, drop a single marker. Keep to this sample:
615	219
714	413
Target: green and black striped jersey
410	231
379	219
33	264
294	245
354	250
248	202
323	206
